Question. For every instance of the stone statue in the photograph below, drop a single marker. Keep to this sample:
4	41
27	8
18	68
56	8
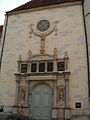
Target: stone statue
29	53
61	95
55	51
22	94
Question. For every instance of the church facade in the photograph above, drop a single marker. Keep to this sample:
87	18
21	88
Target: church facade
44	61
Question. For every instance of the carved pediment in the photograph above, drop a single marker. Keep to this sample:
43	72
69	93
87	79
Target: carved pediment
41	57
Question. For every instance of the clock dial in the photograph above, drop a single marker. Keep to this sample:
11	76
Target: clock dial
43	25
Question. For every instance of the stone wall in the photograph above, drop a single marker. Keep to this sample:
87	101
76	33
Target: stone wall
70	38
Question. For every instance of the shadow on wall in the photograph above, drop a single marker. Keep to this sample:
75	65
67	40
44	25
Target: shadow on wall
1	108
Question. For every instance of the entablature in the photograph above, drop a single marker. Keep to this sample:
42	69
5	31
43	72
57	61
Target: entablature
42	64
42	76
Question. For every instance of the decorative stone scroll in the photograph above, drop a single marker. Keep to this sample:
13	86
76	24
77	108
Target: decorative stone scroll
53	28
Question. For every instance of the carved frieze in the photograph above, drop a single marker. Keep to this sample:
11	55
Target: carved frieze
42	57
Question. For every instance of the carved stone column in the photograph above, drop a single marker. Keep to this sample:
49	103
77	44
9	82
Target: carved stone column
67	93
66	77
55	96
37	69
55	65
54	110
19	67
29	67
26	97
19	63
67	105
45	66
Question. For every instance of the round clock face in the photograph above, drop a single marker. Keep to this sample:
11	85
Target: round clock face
43	25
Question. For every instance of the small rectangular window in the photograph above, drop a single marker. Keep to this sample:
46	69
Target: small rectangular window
23	68
33	67
41	67
60	66
49	66
78	105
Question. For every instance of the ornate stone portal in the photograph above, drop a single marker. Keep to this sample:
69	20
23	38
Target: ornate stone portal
58	81
42	69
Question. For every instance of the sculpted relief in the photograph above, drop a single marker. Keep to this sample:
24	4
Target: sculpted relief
61	94
22	93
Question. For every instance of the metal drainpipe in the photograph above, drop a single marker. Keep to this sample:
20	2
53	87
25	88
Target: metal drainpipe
3	40
86	48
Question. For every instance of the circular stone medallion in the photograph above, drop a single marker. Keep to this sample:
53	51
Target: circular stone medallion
43	25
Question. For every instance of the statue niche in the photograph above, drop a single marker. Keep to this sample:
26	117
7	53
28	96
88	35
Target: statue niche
61	94
22	93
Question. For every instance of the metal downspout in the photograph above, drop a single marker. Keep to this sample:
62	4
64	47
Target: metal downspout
86	49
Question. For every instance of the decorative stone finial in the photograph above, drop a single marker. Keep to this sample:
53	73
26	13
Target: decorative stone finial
55	52
19	58
66	56
29	53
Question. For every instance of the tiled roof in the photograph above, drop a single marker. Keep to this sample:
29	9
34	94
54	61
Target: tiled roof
40	3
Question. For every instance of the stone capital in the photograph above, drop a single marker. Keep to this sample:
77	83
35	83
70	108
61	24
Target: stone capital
66	75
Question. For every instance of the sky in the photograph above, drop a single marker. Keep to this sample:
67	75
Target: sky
6	5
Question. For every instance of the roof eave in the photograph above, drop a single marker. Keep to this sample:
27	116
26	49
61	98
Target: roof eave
21	8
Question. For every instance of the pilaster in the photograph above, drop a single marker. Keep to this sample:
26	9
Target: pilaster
26	97
15	110
54	110
67	104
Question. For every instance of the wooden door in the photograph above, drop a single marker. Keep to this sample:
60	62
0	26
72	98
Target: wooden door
41	102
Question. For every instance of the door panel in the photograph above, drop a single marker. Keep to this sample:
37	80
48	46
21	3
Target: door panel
41	102
46	100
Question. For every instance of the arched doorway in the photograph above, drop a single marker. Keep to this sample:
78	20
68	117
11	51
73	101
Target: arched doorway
41	102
